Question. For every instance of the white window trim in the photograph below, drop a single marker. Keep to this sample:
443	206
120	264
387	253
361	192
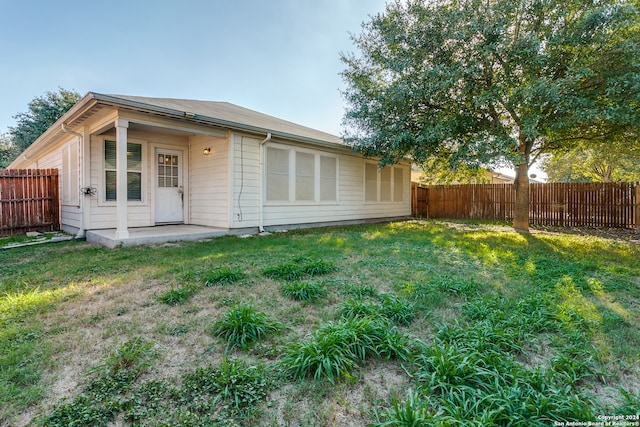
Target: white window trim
292	177
102	201
379	184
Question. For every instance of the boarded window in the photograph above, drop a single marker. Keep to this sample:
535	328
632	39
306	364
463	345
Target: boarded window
328	179
398	185
134	171
277	174
305	176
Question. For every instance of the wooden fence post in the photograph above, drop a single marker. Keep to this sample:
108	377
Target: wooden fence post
637	202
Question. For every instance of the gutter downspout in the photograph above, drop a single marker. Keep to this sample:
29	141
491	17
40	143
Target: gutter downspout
63	127
261	186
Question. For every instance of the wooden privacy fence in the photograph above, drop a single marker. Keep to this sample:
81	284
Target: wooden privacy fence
613	205
29	200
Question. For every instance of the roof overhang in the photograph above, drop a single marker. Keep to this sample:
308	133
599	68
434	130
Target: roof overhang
93	102
188	116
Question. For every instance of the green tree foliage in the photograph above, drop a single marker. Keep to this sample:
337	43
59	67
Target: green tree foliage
438	171
43	112
617	161
7	151
479	81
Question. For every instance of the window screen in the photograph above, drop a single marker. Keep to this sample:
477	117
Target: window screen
277	174
385	184
328	179
370	182
398	185
305	176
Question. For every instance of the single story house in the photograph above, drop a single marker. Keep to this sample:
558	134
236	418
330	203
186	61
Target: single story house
127	162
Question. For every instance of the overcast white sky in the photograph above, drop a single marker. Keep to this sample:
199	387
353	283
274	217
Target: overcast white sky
279	57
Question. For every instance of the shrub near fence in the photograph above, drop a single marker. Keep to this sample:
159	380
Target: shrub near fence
29	201
612	205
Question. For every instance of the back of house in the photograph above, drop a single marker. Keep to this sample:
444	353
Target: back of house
127	162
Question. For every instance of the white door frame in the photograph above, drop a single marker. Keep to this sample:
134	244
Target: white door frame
169	198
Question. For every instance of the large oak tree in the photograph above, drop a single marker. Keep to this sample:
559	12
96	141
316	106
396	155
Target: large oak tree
485	81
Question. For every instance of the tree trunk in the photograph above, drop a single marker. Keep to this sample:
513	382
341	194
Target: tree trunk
521	211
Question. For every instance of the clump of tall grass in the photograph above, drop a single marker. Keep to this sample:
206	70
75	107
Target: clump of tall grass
298	268
470	372
412	412
485	387
243	325
175	296
335	349
233	384
223	276
304	290
464	288
359	291
388	307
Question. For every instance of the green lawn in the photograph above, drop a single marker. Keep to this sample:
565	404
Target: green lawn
412	323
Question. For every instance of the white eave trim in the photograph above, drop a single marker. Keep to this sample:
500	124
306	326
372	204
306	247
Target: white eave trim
114	101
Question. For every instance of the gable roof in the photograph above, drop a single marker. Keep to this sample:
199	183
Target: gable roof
223	114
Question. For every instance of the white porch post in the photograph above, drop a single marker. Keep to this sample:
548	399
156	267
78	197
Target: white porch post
121	178
85	180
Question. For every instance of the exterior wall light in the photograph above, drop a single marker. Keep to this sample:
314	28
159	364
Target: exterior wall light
206	151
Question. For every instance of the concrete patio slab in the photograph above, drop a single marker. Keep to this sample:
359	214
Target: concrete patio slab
157	235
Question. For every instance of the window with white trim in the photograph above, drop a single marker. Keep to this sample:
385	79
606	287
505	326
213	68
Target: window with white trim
383	185
70	174
277	174
328	179
134	171
305	176
398	184
370	182
300	176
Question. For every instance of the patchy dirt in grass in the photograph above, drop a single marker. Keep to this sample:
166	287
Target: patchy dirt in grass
620	234
104	317
348	403
92	325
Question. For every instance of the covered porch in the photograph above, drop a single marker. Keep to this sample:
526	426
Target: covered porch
158	235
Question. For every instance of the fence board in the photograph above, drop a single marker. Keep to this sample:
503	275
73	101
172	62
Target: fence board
29	200
611	205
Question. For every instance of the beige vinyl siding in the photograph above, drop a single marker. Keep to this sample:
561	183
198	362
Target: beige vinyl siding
246	181
69	214
209	182
70	174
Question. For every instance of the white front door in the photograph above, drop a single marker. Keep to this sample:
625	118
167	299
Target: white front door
169	191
